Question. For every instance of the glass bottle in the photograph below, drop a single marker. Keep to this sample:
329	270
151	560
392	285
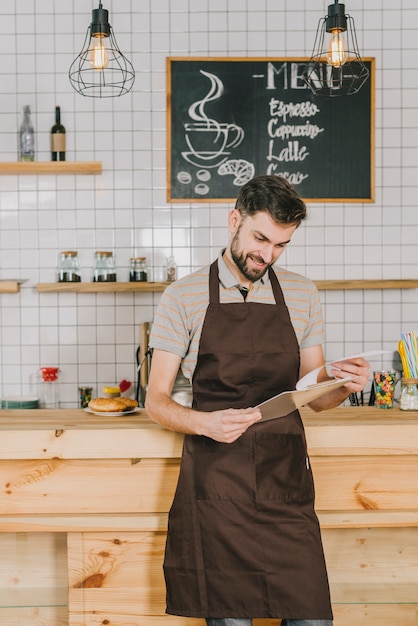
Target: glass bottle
171	269
104	268
49	390
138	272
58	138
26	137
408	398
68	270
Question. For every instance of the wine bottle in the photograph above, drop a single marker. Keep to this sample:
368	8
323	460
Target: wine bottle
58	138
26	137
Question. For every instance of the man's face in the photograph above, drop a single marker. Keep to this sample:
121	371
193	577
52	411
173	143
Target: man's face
256	242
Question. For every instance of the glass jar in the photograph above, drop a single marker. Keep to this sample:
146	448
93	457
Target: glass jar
171	269
104	267
49	390
68	270
139	272
408	398
384	388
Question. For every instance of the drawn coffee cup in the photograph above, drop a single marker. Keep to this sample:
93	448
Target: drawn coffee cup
208	140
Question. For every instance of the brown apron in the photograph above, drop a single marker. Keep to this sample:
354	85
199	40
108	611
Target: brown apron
243	538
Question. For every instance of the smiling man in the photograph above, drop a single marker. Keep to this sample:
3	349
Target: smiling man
243	539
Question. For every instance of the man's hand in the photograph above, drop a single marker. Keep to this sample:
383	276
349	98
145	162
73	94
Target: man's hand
358	367
228	425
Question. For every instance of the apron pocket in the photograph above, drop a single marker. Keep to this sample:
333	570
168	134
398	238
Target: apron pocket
223	471
282	469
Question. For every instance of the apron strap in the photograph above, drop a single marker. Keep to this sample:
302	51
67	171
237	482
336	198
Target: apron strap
214	283
275	285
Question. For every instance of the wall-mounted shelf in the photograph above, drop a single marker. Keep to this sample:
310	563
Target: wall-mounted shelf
323	285
11	285
333	285
50	167
143	287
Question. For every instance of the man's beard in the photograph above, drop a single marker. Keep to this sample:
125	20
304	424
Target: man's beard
252	274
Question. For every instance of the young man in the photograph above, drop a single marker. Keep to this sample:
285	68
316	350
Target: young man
244	541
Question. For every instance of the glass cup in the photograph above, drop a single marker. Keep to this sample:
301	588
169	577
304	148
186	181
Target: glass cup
84	395
384	382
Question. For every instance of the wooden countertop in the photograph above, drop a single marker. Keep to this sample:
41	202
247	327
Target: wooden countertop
365	462
75	434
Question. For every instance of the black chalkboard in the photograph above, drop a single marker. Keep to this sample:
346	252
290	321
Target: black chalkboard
229	119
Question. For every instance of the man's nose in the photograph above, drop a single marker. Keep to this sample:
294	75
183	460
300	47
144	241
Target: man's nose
267	254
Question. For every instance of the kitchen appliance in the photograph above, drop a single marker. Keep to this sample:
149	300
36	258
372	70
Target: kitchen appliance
182	389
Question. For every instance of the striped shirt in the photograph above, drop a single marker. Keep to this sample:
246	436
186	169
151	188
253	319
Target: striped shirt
181	311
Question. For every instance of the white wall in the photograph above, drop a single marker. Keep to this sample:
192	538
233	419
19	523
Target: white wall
93	338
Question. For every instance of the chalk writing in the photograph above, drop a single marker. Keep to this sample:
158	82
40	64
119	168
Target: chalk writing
231	119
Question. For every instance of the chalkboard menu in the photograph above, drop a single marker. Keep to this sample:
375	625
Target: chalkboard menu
229	119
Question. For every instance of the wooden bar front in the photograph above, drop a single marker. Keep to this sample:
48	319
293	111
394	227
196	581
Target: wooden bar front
84	503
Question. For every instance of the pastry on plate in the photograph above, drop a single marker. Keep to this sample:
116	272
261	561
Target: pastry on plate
112	405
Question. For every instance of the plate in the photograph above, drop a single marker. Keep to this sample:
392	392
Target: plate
113	413
20	402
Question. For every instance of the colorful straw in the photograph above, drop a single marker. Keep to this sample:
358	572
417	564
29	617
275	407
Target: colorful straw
407	348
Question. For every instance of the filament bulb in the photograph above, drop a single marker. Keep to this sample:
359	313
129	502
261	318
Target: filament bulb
337	51
99	58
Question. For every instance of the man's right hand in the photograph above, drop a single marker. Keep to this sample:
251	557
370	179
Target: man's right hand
228	425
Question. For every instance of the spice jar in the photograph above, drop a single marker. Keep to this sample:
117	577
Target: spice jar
104	268
68	270
408	398
139	272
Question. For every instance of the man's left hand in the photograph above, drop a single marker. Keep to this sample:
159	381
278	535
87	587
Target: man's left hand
358	367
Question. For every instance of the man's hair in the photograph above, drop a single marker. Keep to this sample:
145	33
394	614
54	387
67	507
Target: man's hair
273	195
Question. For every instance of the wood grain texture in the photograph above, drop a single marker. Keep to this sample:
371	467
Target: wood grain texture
327	285
9	286
323	285
128	287
98	491
75	434
50	167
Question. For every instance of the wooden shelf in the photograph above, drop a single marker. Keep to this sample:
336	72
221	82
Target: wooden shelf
10	286
143	287
333	285
51	167
149	287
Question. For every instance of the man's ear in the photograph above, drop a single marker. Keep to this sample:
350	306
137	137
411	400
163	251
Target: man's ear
234	220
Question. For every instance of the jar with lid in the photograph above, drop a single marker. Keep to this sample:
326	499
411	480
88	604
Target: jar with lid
68	270
408	398
138	272
104	268
49	391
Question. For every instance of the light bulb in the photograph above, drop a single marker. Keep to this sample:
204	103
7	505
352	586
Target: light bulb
99	58
337	50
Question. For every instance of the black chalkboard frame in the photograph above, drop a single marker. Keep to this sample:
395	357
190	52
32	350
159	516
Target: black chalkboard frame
180	76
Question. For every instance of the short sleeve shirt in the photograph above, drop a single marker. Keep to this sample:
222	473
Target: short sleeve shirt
181	311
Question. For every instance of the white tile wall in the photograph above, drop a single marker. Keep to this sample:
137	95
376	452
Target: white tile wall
93	338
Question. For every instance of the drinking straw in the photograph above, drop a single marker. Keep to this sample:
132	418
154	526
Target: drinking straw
408	352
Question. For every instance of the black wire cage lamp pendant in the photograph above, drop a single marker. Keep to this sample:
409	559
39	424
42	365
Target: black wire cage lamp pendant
101	70
335	67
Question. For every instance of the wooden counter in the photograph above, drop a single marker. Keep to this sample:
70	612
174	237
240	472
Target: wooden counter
84	505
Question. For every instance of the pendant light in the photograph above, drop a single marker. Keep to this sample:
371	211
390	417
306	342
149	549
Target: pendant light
101	70
335	67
